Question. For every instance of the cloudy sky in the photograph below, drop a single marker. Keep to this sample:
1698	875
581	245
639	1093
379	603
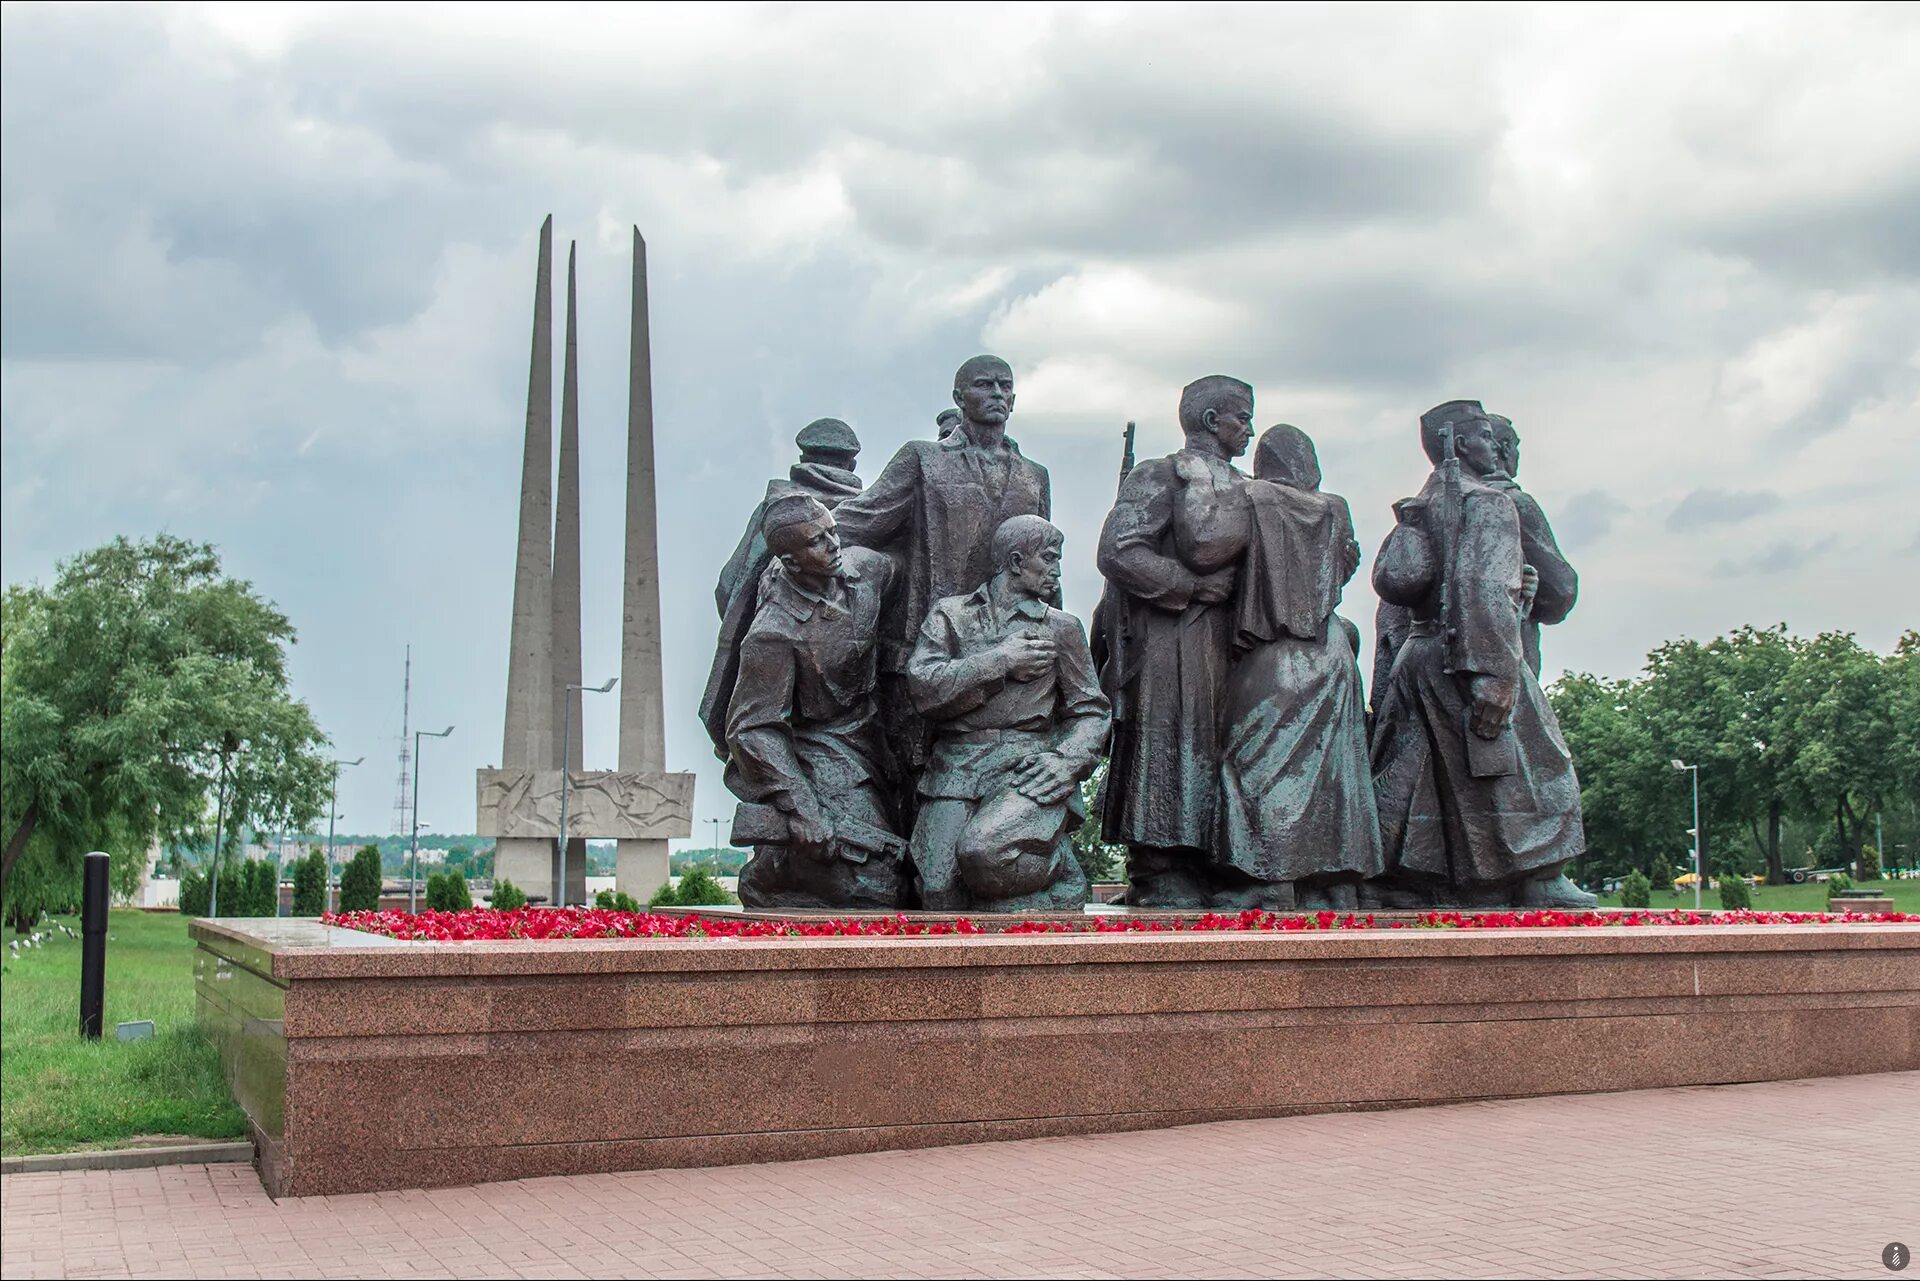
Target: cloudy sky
268	273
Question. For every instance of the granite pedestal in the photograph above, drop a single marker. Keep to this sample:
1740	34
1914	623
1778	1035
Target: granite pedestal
369	1063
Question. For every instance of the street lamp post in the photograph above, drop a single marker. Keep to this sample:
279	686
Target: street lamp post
413	861
1699	873
219	821
332	806
566	768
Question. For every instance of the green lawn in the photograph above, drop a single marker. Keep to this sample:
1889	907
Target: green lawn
1786	898
59	1093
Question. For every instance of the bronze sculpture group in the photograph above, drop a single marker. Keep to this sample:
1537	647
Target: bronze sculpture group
907	716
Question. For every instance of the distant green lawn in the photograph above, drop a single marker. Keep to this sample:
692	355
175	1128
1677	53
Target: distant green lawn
59	1093
1786	898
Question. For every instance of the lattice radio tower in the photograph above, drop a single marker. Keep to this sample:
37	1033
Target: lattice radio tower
403	798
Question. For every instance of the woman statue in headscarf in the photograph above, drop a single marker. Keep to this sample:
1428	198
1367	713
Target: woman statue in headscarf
1296	808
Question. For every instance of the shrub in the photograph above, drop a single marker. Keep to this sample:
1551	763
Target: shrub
1661	875
1635	890
508	897
436	892
459	897
1735	894
698	889
194	892
1838	883
360	883
664	896
310	884
263	887
616	901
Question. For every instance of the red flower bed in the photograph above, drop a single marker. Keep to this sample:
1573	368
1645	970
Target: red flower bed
481	923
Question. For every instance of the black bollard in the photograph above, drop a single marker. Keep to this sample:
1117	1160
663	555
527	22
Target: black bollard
93	945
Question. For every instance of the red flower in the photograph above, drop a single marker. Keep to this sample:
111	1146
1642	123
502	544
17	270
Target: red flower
480	923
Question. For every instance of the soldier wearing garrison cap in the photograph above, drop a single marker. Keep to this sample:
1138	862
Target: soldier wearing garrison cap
805	754
828	452
1478	801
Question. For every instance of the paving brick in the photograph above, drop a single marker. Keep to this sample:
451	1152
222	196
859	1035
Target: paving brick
1801	1178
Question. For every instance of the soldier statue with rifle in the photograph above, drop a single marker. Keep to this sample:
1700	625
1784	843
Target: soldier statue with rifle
1477	797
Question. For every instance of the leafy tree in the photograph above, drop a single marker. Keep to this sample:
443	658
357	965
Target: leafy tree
310	884
1626	785
138	683
1100	861
1837	711
1720	705
360	883
508	897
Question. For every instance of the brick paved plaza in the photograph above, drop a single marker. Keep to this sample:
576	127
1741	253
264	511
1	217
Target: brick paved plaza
1800	1178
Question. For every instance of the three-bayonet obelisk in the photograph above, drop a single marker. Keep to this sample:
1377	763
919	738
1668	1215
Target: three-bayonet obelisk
639	804
643	741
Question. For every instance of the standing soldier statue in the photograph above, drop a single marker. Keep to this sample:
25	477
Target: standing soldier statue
933	512
1477	797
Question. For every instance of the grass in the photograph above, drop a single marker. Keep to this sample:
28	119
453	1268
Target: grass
1785	898
59	1093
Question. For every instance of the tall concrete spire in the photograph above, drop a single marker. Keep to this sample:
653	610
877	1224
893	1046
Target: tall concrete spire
566	573
643	738
529	742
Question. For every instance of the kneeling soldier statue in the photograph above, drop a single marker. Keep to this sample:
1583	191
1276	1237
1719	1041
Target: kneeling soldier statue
805	753
1008	687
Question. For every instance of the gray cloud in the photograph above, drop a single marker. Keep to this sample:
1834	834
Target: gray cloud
1585	518
1704	507
267	278
1779	557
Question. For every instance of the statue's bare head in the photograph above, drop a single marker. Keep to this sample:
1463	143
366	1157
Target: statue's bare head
983	390
1221	407
1506	442
1026	554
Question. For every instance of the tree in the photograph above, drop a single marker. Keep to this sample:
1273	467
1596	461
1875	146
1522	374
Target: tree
360	884
1838	726
1625	783
1100	861
310	884
1719	706
129	690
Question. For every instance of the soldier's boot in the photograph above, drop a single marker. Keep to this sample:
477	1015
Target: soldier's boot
1554	891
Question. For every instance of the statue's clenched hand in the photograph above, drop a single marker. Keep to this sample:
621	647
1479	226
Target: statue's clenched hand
1029	657
810	828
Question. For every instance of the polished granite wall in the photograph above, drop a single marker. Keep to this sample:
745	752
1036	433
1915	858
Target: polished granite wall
371	1063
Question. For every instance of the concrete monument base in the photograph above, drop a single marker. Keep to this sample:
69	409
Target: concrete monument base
369	1063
